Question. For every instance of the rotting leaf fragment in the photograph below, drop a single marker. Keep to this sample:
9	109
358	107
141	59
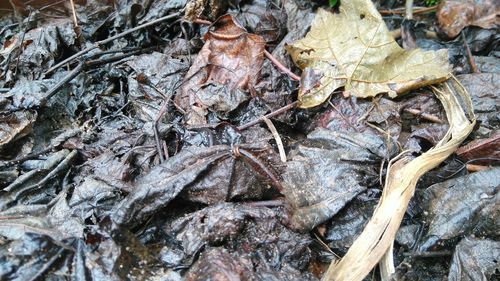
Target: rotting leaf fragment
354	49
15	126
224	72
455	15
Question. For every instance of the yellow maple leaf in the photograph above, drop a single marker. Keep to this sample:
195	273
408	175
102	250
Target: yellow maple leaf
354	49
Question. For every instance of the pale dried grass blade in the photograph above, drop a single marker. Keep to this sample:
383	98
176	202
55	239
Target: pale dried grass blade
277	138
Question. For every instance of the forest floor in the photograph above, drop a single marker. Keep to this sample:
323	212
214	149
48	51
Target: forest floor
249	140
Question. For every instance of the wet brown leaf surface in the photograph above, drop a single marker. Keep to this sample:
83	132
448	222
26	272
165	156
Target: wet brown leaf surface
455	15
15	126
225	71
483	151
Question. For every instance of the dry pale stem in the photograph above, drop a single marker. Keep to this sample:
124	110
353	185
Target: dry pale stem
402	176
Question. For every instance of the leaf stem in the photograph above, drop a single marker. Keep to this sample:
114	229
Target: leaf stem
281	67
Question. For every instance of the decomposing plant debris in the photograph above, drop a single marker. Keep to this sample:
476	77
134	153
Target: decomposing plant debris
248	140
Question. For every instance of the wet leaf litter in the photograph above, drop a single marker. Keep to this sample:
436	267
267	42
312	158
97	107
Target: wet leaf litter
248	140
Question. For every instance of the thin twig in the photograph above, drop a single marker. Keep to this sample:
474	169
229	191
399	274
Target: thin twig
116	57
73	10
281	67
110	39
263	168
269	203
47	265
472	63
464	166
184	32
165	150
476	168
8	26
81	53
21	49
25	158
426	116
416	10
122	50
381	173
161	112
269	115
327	248
49	5
55	143
72	74
202	22
62	166
428	254
81	67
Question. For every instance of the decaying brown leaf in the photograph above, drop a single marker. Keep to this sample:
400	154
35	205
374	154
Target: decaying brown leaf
484	150
375	242
454	15
205	9
15	126
224	72
354	49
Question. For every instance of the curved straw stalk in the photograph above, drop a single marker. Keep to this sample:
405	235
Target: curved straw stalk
402	176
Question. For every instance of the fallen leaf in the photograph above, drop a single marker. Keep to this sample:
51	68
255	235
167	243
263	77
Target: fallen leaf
38	49
357	115
354	49
15	126
265	19
484	89
163	73
241	230
225	70
164	182
327	171
424	136
197	174
32	253
346	226
455	15
219	264
8	46
215	224
461	206
475	259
